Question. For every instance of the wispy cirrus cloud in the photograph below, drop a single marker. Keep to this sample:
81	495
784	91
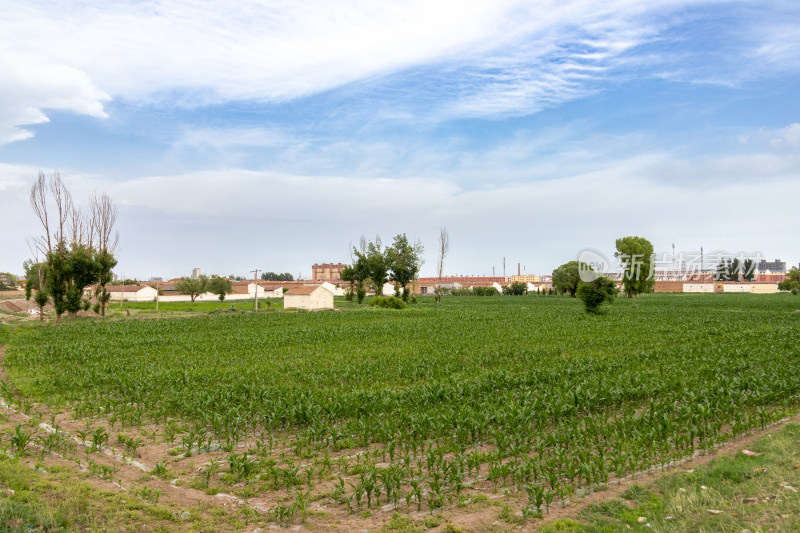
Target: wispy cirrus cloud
452	59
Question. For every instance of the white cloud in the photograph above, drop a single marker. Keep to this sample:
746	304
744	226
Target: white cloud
788	136
223	219
538	207
30	85
481	58
223	138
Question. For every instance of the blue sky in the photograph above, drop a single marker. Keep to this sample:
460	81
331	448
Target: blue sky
275	135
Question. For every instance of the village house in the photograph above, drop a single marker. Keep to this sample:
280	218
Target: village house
308	297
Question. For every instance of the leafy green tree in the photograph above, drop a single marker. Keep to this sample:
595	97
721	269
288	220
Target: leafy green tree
749	269
792	282
724	270
347	275
597	292
405	261
59	280
637	259
192	286
72	244
375	261
7	281
356	274
106	262
219	286
36	279
566	278
735	270
81	271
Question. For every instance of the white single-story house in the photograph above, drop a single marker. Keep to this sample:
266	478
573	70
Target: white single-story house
309	297
337	291
132	293
250	288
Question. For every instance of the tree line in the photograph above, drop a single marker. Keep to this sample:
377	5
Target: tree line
375	264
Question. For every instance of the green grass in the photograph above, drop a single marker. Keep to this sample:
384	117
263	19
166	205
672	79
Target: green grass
63	500
173	307
749	491
18	315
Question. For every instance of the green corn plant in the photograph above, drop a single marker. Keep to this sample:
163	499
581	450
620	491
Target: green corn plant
20	440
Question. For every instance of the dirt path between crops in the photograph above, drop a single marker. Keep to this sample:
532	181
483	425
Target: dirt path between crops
134	472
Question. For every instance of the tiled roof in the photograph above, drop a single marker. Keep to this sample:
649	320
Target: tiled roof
303	290
123	288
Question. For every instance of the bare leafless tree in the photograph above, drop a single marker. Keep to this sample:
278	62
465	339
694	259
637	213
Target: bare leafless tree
39	204
103	218
444	247
64	209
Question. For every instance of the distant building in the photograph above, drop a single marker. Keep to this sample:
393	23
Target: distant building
772	266
327	271
196	272
308	297
530	278
6	280
428	285
156	279
132	293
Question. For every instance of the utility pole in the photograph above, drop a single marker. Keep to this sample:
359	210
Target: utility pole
255	292
504	267
673	259
158	284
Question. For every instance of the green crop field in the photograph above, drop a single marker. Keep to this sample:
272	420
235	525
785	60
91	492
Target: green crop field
429	406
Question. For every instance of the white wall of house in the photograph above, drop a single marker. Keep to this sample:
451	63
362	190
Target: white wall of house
764	288
262	292
698	287
145	294
736	287
336	291
321	298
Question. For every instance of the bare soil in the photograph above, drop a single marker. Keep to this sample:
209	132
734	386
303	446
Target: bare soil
324	515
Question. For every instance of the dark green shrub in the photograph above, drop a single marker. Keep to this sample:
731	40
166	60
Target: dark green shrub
596	293
389	302
486	291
